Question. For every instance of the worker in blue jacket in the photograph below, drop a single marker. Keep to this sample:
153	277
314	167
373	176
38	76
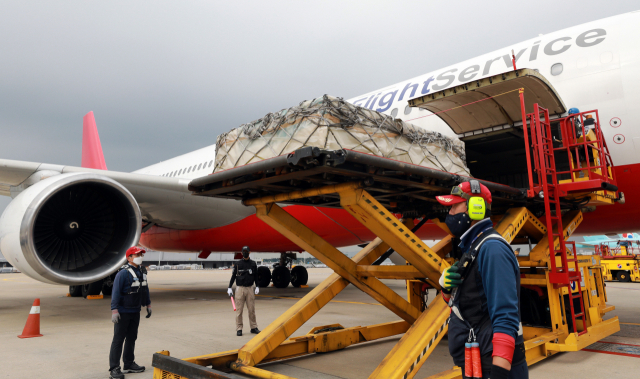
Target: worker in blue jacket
130	292
482	288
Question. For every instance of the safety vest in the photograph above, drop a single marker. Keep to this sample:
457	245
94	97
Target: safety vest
467	302
245	273
133	299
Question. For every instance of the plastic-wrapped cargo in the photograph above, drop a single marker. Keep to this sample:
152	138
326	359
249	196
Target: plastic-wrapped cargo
331	123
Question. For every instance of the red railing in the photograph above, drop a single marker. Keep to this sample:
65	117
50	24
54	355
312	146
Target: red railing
541	164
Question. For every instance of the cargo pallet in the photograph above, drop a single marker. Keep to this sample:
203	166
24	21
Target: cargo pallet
376	191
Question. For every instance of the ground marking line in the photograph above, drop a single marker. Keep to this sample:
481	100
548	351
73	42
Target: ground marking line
612	353
619	343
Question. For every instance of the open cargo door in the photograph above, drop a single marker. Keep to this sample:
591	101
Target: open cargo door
492	102
486	115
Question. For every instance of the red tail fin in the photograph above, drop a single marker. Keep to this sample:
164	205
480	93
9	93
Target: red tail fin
92	156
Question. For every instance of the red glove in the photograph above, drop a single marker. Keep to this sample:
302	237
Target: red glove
503	346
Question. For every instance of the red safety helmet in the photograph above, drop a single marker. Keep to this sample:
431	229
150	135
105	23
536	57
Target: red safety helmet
462	193
135	250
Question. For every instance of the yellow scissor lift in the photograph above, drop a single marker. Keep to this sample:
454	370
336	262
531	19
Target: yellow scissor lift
373	190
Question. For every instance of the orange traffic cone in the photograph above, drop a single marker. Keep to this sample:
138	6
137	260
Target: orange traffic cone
32	327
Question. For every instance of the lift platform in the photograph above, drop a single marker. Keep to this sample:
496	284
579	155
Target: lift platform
563	294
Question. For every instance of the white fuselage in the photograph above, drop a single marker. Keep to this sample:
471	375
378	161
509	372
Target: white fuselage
592	66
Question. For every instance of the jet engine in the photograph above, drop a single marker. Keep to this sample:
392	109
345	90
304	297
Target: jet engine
70	228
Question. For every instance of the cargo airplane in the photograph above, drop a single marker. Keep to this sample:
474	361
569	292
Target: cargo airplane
71	225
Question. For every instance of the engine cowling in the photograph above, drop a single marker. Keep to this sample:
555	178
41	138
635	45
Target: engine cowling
70	229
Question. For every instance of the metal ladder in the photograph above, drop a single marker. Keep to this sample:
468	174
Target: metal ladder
545	167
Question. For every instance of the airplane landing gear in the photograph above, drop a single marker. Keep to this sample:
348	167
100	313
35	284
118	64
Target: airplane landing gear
299	276
281	276
75	291
264	277
92	289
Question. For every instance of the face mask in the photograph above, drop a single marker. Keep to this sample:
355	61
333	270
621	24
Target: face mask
245	254
458	224
137	260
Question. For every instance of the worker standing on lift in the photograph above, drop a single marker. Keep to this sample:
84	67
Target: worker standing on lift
483	290
245	274
130	293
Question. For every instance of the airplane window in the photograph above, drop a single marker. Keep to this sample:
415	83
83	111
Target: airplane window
180	172
199	166
189	170
556	69
407	109
394	112
210	163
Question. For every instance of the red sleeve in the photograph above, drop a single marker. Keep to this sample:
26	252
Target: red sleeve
503	346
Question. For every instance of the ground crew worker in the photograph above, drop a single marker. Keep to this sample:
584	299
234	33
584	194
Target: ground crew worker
482	288
245	274
589	123
130	293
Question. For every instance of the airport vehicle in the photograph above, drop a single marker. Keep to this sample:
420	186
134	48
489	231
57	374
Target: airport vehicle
619	257
565	167
620	262
592	66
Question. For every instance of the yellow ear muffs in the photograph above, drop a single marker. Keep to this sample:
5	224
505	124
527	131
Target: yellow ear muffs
477	208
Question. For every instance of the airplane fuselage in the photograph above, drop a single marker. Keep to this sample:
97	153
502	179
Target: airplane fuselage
592	66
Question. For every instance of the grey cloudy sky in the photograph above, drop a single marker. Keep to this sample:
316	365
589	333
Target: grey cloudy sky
164	78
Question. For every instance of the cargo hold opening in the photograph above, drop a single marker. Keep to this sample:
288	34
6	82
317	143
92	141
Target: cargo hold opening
486	115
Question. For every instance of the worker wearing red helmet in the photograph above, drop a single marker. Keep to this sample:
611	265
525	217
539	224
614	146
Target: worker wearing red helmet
482	289
130	293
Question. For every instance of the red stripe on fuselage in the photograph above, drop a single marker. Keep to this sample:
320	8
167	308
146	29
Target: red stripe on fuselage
340	228
333	224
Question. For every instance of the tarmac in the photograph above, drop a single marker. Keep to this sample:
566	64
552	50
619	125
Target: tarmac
192	315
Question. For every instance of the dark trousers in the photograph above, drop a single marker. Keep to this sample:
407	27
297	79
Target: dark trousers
125	331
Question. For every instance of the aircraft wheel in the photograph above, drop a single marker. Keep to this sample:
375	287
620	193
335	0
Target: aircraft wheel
75	291
281	277
264	277
107	289
623	276
91	289
299	276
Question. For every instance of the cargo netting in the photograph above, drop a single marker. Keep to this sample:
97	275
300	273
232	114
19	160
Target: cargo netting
331	123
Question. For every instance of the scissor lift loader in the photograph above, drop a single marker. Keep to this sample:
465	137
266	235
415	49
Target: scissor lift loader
538	198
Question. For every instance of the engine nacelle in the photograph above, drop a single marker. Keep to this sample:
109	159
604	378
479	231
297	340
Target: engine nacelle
70	229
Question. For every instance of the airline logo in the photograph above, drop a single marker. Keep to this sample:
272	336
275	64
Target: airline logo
381	102
628	235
